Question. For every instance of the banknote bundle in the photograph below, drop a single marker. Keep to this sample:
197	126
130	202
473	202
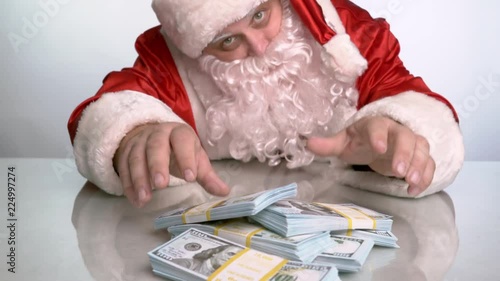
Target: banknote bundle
293	217
226	208
348	254
383	238
268	236
304	248
196	255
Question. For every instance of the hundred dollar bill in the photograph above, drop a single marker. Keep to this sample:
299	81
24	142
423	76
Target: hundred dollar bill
383	238
226	208
294	271
302	248
294	217
348	255
196	255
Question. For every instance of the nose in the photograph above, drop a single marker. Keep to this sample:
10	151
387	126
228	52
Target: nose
258	42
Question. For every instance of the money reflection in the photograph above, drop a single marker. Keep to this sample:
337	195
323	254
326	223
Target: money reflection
114	237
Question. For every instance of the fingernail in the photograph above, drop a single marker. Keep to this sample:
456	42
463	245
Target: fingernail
401	168
159	179
415	178
189	175
382	146
413	191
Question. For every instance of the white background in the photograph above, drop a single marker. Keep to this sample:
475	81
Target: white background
62	59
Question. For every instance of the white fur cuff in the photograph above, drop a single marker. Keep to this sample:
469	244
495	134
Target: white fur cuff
103	125
427	117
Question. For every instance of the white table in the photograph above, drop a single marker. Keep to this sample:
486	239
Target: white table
67	229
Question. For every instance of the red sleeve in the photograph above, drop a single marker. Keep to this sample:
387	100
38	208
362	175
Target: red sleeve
154	73
386	75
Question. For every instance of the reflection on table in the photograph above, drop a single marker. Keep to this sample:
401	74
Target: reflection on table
114	237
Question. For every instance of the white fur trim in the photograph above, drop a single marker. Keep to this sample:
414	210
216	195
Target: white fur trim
344	58
427	117
193	24
103	125
340	52
331	16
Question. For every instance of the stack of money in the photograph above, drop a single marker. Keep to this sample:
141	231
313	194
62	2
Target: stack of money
268	236
226	208
304	248
348	255
383	238
293	217
196	255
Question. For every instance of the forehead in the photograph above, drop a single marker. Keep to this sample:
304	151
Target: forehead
242	23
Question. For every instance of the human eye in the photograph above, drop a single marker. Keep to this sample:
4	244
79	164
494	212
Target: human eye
261	17
230	43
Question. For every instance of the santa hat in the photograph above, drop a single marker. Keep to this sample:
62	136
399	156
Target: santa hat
193	24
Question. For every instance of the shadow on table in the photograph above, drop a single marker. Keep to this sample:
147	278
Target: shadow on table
114	237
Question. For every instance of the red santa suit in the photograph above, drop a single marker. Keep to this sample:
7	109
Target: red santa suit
164	86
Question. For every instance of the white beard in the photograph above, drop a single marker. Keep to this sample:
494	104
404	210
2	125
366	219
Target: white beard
271	104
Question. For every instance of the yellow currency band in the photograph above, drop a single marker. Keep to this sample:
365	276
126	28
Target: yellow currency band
267	276
249	236
374	220
207	212
184	221
211	207
274	270
226	264
349	218
217	228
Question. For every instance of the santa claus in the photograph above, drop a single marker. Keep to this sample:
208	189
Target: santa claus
275	80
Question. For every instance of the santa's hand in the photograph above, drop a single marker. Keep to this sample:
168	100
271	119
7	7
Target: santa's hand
386	146
150	153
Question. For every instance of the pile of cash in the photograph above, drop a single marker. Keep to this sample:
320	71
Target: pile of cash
293	217
268	236
226	208
196	255
304	248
